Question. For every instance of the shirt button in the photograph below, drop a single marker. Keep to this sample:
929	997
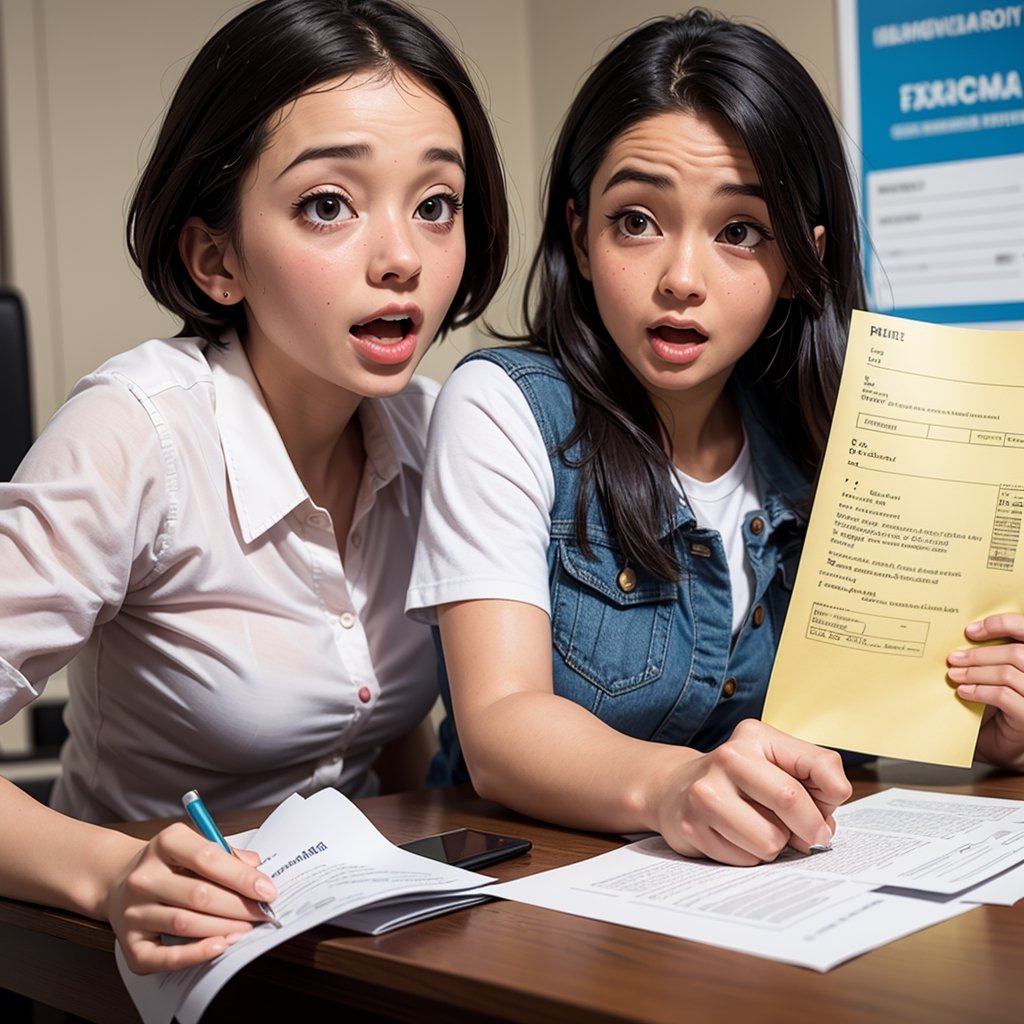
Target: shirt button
347	619
758	616
757	526
627	580
729	687
317	519
364	694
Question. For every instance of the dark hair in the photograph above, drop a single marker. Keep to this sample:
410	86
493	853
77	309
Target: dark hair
218	124
706	65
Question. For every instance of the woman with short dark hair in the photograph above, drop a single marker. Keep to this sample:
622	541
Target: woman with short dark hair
216	529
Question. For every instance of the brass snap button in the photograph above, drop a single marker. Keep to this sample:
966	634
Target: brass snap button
758	616
757	526
729	687
627	580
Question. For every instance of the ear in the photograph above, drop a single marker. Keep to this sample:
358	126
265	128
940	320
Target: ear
207	257
819	244
578	234
819	241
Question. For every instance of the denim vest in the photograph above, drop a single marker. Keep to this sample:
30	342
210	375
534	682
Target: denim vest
653	659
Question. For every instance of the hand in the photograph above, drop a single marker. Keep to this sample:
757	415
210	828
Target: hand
994	675
181	884
762	790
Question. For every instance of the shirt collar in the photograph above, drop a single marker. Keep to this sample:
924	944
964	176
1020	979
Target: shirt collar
383	446
263	481
264	484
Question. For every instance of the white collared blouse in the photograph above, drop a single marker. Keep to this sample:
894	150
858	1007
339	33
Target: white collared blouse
158	538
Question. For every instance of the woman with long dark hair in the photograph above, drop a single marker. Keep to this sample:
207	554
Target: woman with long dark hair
614	510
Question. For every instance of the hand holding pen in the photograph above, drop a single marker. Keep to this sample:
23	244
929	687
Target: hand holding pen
176	884
201	818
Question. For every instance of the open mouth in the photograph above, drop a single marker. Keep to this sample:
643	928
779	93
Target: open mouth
383	329
678	335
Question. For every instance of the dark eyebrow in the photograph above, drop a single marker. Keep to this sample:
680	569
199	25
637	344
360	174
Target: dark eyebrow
661	182
658	181
754	191
360	151
439	154
354	152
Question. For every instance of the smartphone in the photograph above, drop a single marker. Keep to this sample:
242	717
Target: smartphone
468	848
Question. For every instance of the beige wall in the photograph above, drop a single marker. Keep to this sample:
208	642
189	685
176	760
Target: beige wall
568	36
91	79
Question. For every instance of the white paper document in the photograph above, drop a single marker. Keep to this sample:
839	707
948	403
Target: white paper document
330	865
928	842
901	861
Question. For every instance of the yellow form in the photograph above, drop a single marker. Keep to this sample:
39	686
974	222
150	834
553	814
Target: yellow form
915	532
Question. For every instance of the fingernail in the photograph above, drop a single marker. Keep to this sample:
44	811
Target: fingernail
973	627
824	842
956	674
265	890
957	656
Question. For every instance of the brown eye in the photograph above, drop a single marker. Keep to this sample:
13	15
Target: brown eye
635	224
743	235
735	234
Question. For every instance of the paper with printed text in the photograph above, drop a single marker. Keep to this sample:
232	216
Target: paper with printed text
915	532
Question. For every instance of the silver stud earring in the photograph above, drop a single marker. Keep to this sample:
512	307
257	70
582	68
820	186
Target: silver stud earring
227	295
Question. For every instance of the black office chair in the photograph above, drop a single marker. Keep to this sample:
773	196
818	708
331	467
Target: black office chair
15	437
15	387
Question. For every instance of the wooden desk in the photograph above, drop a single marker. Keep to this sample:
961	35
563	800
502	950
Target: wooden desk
512	962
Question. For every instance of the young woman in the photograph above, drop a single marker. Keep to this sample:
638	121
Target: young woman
218	528
630	489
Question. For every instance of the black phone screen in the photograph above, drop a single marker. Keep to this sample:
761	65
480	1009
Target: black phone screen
468	847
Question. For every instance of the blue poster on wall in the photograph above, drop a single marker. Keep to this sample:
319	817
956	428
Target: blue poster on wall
933	98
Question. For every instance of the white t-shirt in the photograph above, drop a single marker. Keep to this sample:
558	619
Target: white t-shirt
489	491
721	505
158	534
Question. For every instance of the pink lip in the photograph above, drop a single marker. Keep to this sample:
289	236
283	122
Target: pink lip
677	341
381	343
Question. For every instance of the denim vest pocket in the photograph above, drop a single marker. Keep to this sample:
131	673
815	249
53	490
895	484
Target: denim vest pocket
615	639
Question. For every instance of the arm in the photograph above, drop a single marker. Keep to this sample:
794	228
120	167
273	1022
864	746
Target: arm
993	675
177	884
82	517
548	757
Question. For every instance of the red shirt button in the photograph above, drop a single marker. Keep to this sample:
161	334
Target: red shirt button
364	694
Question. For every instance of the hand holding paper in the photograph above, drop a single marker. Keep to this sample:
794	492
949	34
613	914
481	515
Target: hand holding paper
328	863
993	675
181	884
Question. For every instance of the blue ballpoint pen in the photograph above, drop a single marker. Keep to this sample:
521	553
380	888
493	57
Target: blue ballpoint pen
196	810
